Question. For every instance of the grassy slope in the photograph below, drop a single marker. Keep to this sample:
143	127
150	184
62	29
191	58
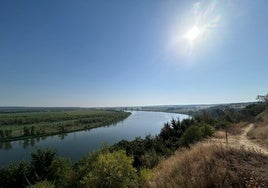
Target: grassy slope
50	123
209	164
260	132
212	165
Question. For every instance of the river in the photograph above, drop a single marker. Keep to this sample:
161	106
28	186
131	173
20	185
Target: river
77	144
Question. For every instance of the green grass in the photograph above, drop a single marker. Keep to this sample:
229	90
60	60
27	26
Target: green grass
16	126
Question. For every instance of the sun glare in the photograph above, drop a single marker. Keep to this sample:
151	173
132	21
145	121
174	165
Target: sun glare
193	33
196	28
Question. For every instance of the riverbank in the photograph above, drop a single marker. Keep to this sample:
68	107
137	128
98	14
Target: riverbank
167	111
27	125
78	144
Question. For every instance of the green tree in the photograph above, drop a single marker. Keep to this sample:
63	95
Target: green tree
112	170
41	163
15	175
206	130
262	98
191	135
166	132
8	133
62	173
26	131
32	130
62	129
2	133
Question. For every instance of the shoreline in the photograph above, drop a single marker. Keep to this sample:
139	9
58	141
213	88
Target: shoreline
25	137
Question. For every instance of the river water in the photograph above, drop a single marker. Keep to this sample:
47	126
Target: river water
77	144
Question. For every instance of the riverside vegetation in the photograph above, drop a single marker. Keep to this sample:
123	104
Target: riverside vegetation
22	125
144	163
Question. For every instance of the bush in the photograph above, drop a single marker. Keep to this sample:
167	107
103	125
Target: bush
145	175
191	135
62	173
15	175
206	130
41	163
44	184
111	170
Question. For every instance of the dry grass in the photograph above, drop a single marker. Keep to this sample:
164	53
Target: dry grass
263	117
236	129
260	132
219	134
212	165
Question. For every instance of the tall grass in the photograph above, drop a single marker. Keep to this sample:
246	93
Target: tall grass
212	165
259	133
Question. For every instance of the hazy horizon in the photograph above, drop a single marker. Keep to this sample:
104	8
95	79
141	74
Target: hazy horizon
125	53
127	106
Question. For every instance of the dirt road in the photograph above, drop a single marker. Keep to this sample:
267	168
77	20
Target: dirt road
242	140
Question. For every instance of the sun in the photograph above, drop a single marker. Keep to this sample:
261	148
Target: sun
193	33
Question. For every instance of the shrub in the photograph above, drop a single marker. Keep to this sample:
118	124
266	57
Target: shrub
111	170
145	174
41	162
62	173
191	135
206	130
44	184
15	175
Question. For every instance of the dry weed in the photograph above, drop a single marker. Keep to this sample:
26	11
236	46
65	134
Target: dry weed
212	165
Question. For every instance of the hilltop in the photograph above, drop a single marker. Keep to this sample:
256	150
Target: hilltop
208	164
242	161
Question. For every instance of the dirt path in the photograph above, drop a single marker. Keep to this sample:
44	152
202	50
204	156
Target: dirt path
244	141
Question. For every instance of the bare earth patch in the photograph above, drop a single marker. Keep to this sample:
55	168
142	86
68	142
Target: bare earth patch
259	134
240	140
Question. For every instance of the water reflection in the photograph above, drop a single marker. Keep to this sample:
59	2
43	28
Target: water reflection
32	142
25	143
5	145
62	136
29	142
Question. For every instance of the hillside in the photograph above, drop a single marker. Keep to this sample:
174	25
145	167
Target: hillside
243	162
259	133
212	165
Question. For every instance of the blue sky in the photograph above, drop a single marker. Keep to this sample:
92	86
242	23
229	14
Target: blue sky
121	53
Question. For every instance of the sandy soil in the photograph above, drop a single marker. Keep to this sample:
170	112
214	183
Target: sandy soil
241	140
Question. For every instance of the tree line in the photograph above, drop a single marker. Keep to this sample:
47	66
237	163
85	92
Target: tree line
16	126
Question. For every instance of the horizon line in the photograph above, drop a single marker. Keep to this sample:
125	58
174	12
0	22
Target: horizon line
154	105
